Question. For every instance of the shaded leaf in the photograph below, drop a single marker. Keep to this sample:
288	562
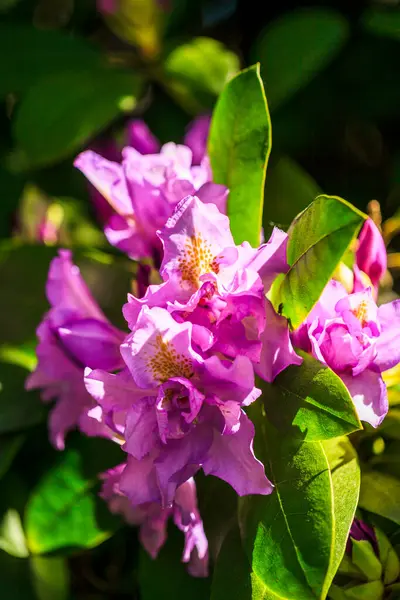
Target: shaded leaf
380	22
196	72
239	146
26	54
62	111
380	494
295	47
9	446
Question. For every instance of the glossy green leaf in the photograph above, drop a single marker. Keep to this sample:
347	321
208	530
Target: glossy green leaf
345	474
27	53
239	146
318	238
50	577
295	47
62	111
64	510
167	577
289	535
233	577
380	494
317	404
288	190
12	537
196	72
385	23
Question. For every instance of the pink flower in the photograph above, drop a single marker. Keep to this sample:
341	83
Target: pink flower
144	189
358	340
153	519
73	334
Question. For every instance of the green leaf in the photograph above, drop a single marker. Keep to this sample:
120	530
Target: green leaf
288	190
295	47
364	557
64	510
345	474
62	111
50	577
138	22
380	494
385	23
166	577
12	537
317	404
238	583
239	146
388	557
26	54
372	590
318	238
9	446
289	535
196	72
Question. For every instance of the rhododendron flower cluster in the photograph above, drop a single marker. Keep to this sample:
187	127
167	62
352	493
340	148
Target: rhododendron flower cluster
172	388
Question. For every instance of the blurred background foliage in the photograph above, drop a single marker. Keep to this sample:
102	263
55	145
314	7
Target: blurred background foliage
70	78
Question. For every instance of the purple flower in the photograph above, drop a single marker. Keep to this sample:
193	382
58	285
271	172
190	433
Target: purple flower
358	340
183	412
361	531
73	334
139	137
220	288
371	257
153	519
144	189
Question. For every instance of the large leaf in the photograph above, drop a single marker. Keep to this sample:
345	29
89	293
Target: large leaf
239	146
64	510
380	494
196	72
345	473
62	111
310	402
233	577
318	238
295	47
27	53
289	535
166	577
